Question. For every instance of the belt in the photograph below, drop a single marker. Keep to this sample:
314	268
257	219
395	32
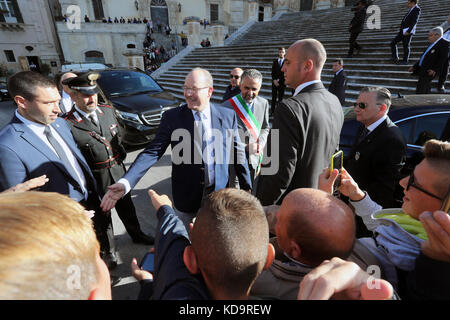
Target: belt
111	162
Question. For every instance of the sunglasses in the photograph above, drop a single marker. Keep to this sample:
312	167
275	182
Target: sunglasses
412	184
363	105
233	76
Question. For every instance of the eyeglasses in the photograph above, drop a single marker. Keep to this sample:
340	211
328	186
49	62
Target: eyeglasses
412	184
233	76
363	105
192	90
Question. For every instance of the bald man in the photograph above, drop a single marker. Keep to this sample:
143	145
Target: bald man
235	82
309	124
194	175
310	226
66	102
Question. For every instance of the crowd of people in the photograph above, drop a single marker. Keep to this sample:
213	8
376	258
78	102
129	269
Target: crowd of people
235	228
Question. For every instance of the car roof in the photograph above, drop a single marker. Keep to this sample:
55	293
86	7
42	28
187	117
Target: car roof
412	104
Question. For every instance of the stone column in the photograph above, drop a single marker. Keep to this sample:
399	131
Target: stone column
193	32
281	6
218	34
252	10
267	12
134	59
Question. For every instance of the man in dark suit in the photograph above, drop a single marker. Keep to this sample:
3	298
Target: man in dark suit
431	61
379	150
356	27
278	85
234	87
337	85
444	72
308	125
97	133
407	29
193	176
37	142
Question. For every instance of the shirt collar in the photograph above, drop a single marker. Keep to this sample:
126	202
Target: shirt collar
206	112
304	85
339	71
84	114
374	125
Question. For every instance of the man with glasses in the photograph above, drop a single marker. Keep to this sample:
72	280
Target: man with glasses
199	135
379	150
234	87
421	250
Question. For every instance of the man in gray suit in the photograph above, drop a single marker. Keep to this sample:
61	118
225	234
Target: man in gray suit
309	124
251	81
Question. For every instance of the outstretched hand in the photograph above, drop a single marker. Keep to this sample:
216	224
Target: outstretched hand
159	200
29	184
115	192
341	279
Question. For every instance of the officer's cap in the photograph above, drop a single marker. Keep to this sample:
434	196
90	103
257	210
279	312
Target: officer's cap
85	83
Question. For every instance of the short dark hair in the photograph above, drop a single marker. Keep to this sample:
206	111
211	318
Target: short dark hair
339	60
383	95
281	48
24	84
415	1
230	240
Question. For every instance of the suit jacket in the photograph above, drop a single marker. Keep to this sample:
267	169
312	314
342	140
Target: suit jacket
177	129
337	86
23	156
357	23
309	126
230	92
261	113
375	162
277	74
104	157
173	281
410	19
434	59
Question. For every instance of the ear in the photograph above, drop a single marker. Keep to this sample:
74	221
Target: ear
20	101
270	256
190	260
383	108
296	251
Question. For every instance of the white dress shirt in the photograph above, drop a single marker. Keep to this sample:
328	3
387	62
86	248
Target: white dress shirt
303	86
66	102
374	125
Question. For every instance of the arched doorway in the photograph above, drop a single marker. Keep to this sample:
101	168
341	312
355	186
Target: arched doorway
94	57
159	12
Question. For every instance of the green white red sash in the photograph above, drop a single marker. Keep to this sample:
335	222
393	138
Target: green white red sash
246	115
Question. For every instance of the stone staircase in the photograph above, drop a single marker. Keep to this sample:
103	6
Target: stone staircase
258	47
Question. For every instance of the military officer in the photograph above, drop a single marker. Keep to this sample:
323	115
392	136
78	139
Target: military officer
97	133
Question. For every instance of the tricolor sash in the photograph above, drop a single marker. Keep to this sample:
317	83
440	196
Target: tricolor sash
246	115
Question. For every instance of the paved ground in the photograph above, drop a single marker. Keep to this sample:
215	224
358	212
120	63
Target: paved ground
158	178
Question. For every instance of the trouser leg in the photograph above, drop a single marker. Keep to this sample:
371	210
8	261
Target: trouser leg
406	47
424	85
127	213
394	42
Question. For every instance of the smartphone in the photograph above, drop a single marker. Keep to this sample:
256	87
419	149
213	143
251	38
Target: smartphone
336	162
148	262
446	203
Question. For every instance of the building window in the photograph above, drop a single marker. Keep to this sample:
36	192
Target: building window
10	56
214	12
10	12
94	57
131	46
98	9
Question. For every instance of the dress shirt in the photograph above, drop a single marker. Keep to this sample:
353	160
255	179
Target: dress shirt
374	125
339	71
304	85
209	163
38	130
88	115
66	102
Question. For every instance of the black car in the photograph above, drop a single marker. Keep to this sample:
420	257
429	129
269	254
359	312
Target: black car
419	117
139	102
4	94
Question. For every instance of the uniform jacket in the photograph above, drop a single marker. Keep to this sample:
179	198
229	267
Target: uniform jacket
23	156
434	59
309	127
376	162
102	147
177	129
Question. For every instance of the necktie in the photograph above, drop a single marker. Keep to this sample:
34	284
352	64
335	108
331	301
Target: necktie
205	150
363	135
93	120
60	152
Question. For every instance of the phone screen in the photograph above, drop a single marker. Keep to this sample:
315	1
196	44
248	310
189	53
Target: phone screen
148	262
336	163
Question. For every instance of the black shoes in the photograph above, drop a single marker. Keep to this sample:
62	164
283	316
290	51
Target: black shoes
441	89
144	239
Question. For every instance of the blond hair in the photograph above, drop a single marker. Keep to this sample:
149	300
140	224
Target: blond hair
48	247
